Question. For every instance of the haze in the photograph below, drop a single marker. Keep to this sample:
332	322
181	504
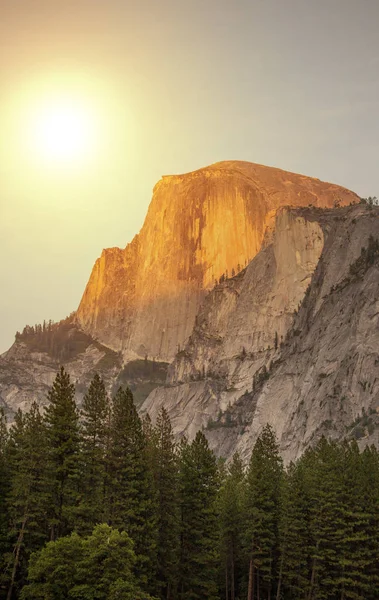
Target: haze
175	86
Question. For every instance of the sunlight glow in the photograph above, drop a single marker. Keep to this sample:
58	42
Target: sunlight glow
65	135
63	131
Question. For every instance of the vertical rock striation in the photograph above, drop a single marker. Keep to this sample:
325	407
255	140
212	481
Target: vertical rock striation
314	286
143	300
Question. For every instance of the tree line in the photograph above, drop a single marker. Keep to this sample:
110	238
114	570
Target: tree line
99	504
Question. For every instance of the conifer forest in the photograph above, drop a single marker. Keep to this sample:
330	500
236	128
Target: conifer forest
99	504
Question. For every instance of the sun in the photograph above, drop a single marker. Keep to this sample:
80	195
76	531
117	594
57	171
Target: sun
63	131
66	129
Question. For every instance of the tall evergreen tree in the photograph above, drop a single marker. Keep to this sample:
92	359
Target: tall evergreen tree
131	499
151	441
353	542
231	527
199	522
94	434
365	535
294	533
28	495
62	432
14	438
4	489
264	484
327	526
166	483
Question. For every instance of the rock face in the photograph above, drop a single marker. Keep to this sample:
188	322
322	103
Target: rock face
28	369
251	312
143	300
252	282
252	358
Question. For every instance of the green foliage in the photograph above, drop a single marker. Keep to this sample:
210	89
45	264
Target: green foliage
5	482
262	511
166	479
28	497
231	524
63	458
260	377
293	531
371	201
63	342
130	502
339	524
367	258
364	424
95	434
180	524
98	567
199	536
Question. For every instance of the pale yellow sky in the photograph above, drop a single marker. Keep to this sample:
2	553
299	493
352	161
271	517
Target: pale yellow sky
172	86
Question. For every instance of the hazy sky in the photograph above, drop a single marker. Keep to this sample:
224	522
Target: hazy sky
176	85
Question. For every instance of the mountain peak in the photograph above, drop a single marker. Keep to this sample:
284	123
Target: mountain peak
199	226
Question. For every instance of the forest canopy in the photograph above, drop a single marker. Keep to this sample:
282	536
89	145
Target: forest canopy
100	504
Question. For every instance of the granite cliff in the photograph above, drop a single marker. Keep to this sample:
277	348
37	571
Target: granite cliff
143	300
242	278
293	340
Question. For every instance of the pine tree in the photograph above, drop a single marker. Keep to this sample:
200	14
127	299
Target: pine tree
366	531
166	483
327	522
231	527
131	495
62	429
28	495
4	490
264	483
95	430
151	441
199	536
294	533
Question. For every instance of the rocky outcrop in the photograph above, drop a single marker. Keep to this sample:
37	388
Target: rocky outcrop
28	369
253	358
143	300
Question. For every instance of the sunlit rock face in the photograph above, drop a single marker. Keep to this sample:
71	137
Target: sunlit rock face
291	341
143	300
241	324
253	311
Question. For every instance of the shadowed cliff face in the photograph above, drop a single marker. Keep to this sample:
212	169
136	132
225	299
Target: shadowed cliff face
254	358
144	299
